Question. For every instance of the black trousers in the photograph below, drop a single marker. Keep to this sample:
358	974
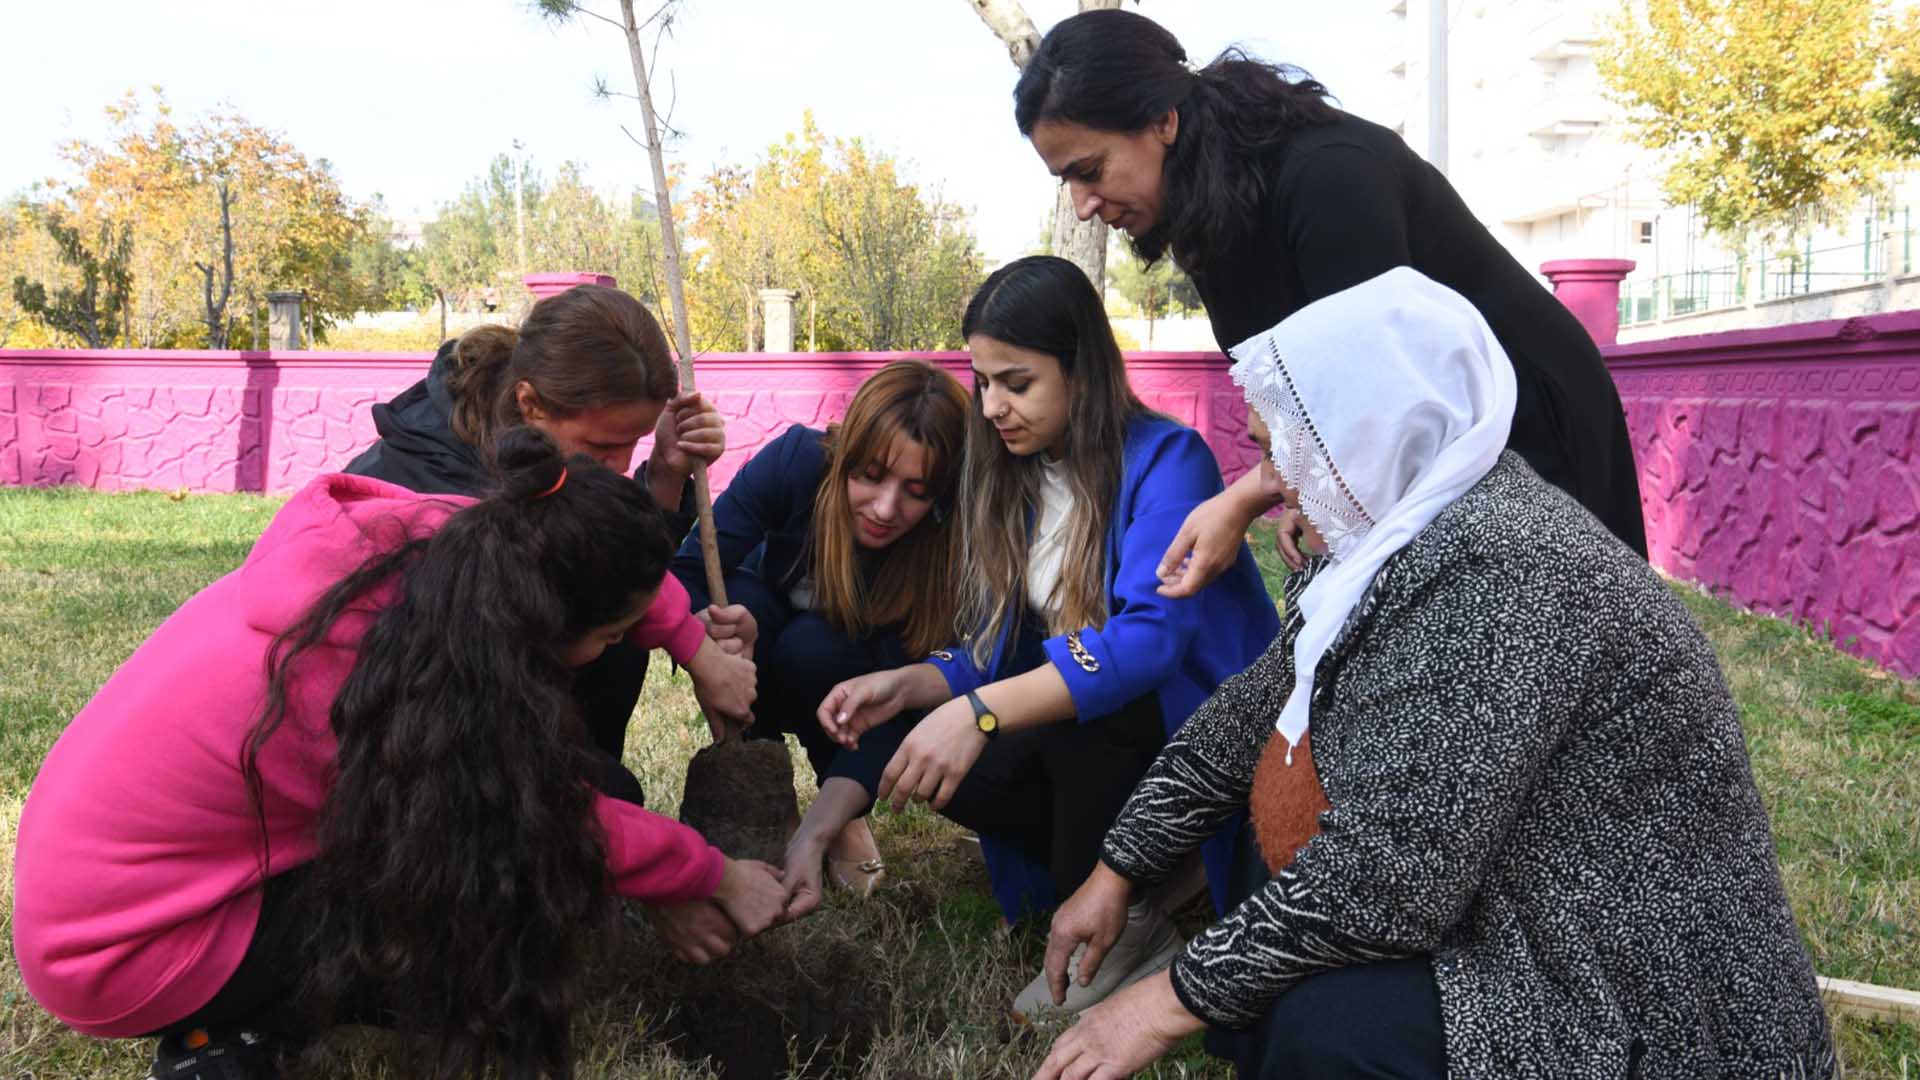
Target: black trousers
801	657
262	993
1053	791
607	691
1373	1021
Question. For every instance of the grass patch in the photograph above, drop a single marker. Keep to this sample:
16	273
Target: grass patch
85	577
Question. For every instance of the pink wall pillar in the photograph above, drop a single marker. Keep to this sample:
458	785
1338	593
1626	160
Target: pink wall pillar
1591	290
552	282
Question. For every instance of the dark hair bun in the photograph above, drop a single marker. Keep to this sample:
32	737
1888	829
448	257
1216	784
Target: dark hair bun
527	461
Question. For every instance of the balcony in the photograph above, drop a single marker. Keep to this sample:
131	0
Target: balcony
1572	112
1544	188
1563	37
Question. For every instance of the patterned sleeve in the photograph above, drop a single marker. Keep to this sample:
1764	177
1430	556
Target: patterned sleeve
1466	689
1206	770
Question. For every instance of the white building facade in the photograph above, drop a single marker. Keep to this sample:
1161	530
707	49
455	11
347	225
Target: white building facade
1540	154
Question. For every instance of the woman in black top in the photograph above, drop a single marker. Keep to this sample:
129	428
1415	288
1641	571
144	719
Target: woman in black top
1270	198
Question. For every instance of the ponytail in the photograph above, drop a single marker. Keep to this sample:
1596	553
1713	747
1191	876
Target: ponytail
480	358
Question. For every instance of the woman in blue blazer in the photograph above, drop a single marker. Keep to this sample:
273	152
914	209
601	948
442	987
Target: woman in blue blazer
838	542
1076	668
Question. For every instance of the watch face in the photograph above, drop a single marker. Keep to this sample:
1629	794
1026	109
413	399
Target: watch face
987	722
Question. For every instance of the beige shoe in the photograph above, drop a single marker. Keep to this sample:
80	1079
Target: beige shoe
857	868
1148	944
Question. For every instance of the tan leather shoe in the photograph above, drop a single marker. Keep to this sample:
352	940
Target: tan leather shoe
853	859
859	877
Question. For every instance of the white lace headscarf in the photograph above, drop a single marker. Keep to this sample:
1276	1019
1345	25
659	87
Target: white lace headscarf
1386	401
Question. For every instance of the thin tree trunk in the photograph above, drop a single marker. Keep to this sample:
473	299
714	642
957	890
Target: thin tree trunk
676	292
217	309
1009	22
1083	243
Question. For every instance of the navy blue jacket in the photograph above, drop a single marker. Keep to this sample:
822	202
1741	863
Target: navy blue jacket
765	517
1178	650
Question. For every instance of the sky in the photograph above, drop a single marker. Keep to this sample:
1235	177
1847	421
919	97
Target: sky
410	99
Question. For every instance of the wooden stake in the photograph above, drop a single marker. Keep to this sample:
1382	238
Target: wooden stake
1873	1002
677	295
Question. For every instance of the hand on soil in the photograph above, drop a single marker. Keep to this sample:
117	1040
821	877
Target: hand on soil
697	931
752	895
805	876
1122	1035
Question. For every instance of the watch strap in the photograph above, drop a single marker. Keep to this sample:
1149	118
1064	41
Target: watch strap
980	711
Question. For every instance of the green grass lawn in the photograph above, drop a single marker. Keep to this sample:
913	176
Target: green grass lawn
912	982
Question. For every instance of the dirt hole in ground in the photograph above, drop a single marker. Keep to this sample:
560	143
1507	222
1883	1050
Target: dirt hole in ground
814	1000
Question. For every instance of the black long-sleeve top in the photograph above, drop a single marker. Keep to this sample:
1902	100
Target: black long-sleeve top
1349	201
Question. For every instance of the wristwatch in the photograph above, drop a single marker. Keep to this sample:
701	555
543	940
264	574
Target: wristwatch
983	719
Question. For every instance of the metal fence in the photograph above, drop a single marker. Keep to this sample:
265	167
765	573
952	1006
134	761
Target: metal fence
1884	249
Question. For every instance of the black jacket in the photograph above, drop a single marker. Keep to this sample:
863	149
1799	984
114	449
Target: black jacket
418	449
1348	201
764	520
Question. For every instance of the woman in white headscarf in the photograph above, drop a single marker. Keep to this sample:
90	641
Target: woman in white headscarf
1503	818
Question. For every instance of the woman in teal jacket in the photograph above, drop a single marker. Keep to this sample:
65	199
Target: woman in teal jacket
1076	669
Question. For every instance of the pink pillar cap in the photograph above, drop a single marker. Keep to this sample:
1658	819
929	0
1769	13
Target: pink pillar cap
552	282
1590	288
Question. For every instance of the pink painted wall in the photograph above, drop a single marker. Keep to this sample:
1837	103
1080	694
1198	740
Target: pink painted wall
1781	468
225	421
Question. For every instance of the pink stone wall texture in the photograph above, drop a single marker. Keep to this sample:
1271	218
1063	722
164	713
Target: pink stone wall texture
223	421
1781	468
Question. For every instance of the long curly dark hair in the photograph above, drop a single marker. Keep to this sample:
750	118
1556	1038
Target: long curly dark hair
460	866
1116	70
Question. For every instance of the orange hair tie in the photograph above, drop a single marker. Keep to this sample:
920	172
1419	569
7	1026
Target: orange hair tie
556	484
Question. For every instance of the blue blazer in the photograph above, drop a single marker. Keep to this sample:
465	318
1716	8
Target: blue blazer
764	519
1179	650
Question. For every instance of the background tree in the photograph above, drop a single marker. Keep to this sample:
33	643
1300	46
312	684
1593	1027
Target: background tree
1899	110
282	222
386	275
879	264
94	310
468	251
1082	242
1771	110
1149	289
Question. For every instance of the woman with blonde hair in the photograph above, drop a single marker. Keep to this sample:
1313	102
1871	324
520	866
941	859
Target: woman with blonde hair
1073	670
838	542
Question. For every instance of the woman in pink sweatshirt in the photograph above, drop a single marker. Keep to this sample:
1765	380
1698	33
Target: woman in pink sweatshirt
348	782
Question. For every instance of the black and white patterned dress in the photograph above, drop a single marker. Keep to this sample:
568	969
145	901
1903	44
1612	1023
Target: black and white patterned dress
1537	778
